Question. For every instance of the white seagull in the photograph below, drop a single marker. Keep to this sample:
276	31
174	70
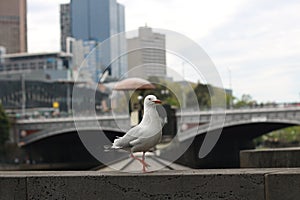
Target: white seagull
145	135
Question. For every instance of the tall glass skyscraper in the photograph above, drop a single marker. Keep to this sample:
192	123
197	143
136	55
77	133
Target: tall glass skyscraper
98	20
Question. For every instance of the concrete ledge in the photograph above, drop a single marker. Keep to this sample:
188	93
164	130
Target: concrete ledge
12	187
195	184
270	158
283	185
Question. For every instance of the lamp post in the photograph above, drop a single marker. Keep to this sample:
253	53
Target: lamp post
230	87
164	92
140	114
23	95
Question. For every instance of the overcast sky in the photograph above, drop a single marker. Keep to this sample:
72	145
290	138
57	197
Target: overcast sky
256	41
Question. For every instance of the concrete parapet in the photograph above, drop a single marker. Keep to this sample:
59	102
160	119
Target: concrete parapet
262	158
283	185
12	186
193	184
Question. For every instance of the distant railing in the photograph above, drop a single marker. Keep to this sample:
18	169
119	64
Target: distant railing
239	110
180	112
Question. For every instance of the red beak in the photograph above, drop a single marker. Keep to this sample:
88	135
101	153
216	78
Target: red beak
157	101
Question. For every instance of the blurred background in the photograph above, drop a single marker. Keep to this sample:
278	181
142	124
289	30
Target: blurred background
49	48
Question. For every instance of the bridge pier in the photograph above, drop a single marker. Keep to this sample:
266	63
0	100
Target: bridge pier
225	154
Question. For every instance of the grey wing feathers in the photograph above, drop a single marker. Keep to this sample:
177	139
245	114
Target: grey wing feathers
135	142
134	132
125	141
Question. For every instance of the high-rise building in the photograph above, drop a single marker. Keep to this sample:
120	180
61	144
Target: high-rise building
65	25
2	54
149	58
99	20
35	66
84	56
13	25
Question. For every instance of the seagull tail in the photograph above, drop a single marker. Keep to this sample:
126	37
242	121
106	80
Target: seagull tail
107	148
114	146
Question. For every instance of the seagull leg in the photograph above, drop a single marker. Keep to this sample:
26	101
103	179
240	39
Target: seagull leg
142	161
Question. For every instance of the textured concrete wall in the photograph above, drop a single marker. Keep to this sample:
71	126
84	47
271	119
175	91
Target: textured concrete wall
12	186
195	184
281	157
283	185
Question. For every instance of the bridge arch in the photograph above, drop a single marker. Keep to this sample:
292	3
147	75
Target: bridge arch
55	132
263	126
236	136
66	148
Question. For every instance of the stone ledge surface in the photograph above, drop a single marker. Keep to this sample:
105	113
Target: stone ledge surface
193	184
279	157
283	185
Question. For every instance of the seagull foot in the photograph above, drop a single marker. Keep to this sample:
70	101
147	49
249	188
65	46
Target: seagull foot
145	165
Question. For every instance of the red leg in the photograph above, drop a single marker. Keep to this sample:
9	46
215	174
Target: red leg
142	161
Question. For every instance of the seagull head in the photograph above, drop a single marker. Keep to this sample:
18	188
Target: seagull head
151	100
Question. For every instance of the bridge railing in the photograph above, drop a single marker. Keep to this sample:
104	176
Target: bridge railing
235	116
187	111
180	112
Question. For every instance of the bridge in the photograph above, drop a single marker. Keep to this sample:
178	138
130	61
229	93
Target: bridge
237	118
239	129
32	130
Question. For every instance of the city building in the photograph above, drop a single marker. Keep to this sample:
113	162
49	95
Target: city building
85	57
65	25
97	21
13	25
36	66
149	58
2	53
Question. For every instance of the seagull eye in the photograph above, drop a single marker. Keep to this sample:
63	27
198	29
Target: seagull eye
149	99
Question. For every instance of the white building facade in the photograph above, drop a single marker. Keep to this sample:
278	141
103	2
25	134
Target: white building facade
149	57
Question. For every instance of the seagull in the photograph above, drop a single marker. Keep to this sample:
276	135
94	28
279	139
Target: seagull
145	135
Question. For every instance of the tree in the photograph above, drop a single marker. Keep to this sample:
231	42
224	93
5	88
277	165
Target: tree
245	101
4	128
203	96
164	90
286	137
208	96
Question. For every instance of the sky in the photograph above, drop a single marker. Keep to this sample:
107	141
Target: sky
254	44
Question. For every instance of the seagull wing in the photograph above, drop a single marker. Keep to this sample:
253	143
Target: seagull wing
131	135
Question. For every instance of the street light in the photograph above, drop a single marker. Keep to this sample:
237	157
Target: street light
140	114
230	88
23	88
164	92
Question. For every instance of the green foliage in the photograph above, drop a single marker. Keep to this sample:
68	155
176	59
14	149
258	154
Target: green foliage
229	100
4	128
244	102
203	96
165	90
208	95
285	137
218	97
